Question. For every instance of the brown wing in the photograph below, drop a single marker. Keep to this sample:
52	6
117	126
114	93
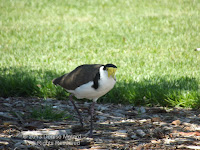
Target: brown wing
81	75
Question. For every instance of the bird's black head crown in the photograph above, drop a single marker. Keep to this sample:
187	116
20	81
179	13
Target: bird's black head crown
109	65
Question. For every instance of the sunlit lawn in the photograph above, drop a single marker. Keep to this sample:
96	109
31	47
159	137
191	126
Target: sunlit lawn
152	43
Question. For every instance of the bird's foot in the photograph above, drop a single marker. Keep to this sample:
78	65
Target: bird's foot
78	128
91	134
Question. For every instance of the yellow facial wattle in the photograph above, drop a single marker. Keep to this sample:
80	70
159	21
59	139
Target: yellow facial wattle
111	71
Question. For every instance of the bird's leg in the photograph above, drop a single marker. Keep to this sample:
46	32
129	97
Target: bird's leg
91	122
79	115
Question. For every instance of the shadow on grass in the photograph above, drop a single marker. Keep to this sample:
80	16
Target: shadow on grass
157	91
24	82
161	91
17	82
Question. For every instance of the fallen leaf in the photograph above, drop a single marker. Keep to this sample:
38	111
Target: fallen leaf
189	133
156	119
176	122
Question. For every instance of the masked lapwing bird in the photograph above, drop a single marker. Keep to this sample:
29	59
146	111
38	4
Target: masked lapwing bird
90	81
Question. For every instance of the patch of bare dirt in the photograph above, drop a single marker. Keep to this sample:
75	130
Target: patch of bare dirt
116	127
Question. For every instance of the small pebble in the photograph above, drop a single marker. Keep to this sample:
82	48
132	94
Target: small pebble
142	110
134	136
140	133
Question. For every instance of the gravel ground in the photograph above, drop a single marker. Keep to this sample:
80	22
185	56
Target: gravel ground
116	127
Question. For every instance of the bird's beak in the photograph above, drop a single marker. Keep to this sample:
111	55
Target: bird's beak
111	71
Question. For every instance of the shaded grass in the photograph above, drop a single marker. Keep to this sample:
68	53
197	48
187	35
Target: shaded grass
151	42
160	91
48	113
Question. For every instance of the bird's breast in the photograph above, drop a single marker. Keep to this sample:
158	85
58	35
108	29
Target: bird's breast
88	92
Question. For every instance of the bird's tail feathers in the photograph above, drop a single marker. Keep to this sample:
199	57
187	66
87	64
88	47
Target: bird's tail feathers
56	81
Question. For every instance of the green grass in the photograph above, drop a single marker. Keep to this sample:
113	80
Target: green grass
48	113
152	43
